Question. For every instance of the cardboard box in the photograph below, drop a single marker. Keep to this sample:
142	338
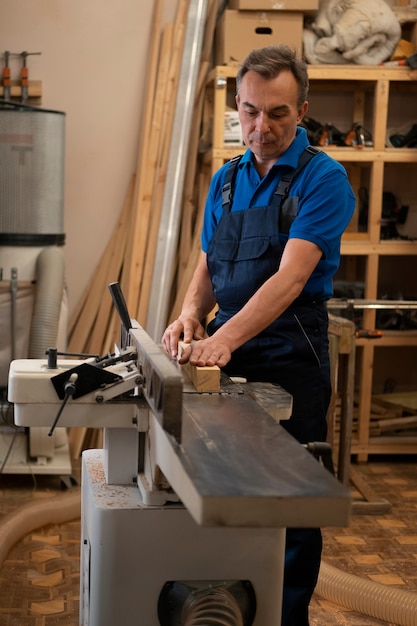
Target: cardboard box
232	129
274	5
239	32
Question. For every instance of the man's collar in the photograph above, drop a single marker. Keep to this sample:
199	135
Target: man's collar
292	154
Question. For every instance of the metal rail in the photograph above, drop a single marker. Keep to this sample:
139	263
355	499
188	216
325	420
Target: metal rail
358	303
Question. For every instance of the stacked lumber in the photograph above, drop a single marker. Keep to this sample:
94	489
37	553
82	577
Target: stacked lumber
393	414
129	255
389	417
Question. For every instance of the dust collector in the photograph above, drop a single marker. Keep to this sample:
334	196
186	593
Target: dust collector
32	289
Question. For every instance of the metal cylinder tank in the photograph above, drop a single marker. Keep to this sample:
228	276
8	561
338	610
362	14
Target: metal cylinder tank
32	152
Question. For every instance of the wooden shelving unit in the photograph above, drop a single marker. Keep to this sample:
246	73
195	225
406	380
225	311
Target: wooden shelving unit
379	98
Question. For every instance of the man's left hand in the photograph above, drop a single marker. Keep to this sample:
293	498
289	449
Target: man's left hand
210	351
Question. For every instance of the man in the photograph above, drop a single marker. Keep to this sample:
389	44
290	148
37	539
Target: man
267	262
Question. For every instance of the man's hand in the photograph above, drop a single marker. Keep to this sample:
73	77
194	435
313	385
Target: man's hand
188	329
198	302
210	351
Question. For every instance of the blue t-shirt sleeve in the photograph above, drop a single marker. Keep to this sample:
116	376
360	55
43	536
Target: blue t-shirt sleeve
213	208
326	205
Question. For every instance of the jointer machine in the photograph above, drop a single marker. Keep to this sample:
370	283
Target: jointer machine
184	510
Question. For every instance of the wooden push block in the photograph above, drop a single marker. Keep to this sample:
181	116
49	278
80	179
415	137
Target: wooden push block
205	378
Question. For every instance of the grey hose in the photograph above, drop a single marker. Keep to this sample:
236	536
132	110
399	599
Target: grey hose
50	280
50	276
390	604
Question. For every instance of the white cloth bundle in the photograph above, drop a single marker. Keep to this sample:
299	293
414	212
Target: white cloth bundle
352	31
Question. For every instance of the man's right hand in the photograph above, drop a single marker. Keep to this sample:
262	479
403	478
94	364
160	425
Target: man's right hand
188	329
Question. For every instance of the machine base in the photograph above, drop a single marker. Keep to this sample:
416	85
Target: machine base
129	552
14	443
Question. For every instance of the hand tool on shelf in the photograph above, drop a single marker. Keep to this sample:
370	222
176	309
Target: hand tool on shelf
364	333
350	304
410	61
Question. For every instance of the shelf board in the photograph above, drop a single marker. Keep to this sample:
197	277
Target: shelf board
34	89
344	155
401	445
369	155
337	72
358	247
361	72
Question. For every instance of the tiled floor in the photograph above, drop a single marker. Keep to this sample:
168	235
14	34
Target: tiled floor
39	580
378	547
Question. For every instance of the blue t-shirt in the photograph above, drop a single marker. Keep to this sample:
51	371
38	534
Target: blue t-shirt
326	203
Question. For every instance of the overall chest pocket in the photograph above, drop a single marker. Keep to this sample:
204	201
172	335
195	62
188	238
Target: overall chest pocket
248	249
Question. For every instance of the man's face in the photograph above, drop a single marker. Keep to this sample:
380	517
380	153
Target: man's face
269	114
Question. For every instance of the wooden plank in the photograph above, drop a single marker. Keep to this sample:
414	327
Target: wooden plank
152	178
97	342
204	379
84	321
169	90
272	398
189	204
76	437
398	423
372	503
381	113
132	271
406	400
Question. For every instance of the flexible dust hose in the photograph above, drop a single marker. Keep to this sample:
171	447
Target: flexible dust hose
211	607
35	514
50	277
393	605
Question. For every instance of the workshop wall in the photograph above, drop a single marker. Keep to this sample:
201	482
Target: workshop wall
92	67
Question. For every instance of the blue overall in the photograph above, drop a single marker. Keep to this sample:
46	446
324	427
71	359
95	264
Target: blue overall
243	253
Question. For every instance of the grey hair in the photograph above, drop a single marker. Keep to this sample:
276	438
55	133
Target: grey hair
268	62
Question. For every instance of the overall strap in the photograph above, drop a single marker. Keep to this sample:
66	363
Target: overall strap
287	206
283	188
227	189
284	184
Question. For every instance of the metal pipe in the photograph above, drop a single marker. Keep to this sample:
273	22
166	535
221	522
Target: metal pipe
13	290
358	303
50	285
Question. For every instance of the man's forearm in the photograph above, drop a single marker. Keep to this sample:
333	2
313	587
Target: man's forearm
265	306
199	298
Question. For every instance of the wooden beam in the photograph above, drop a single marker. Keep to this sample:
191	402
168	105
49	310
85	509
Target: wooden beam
169	93
204	379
